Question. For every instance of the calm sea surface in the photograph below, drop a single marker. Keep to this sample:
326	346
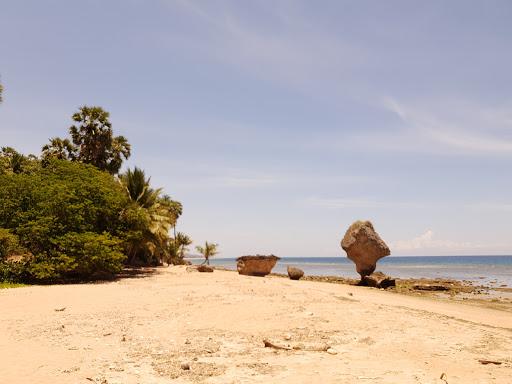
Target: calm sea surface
496	270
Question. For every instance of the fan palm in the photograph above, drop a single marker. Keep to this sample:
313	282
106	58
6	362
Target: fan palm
59	148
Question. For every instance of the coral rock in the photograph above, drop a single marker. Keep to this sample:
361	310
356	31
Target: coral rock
256	265
364	247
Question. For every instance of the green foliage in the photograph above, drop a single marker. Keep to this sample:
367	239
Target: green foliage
209	250
92	142
4	285
9	244
58	148
12	161
138	188
45	207
151	218
75	255
177	247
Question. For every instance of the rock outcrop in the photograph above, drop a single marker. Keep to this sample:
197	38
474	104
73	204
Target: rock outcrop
256	265
378	280
364	247
294	273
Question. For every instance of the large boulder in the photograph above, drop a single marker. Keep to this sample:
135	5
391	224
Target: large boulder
256	265
294	273
364	247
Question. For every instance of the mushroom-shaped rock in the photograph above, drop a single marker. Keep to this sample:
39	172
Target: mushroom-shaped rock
294	273
258	265
364	247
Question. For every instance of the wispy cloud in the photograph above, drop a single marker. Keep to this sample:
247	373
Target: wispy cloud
287	49
459	127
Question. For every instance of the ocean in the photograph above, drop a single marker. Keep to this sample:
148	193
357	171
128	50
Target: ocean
490	270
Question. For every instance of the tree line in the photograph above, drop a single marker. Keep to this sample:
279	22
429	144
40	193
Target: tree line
70	214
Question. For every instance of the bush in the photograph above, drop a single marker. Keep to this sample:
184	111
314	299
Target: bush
77	255
9	244
68	215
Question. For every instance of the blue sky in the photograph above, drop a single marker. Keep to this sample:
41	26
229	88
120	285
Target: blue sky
277	124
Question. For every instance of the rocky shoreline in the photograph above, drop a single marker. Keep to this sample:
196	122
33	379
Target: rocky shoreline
447	289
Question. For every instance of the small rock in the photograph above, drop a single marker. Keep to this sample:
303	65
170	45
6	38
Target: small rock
204	268
287	336
187	341
378	280
185	366
332	351
294	273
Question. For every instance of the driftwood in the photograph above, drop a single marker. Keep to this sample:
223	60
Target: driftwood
485	362
269	344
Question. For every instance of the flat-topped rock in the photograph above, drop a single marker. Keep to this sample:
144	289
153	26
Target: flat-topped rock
258	265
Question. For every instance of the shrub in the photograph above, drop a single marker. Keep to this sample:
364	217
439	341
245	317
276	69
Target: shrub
77	255
68	215
9	244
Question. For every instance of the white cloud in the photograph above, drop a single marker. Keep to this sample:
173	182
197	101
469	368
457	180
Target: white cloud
427	241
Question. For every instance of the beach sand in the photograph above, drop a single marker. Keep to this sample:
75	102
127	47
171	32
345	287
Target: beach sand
142	329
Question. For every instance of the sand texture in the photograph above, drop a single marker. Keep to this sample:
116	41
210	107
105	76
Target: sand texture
148	329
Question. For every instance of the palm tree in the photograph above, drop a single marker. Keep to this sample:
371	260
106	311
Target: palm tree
93	137
209	250
183	241
177	247
59	148
137	186
160	214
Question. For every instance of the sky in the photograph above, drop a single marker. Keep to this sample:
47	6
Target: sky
279	123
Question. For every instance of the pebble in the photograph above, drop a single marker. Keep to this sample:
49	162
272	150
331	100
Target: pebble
185	366
332	351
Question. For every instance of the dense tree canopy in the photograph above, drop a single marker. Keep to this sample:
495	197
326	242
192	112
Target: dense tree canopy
92	142
68	216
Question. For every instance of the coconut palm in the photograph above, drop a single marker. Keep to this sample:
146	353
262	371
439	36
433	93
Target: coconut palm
137	186
209	250
157	215
177	247
183	241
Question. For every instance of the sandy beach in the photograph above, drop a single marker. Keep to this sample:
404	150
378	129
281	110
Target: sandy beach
148	328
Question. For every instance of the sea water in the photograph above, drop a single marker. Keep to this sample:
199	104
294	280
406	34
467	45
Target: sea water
494	270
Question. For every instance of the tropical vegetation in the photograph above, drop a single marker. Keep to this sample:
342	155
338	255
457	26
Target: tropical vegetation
209	250
70	214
